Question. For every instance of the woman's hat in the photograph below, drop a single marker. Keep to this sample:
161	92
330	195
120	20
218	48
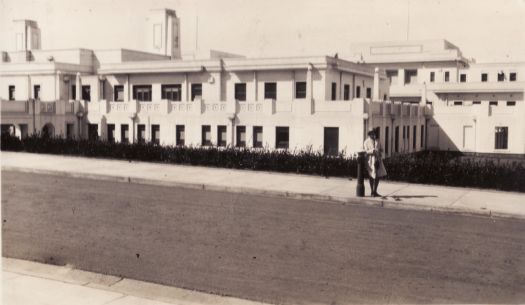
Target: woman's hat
371	131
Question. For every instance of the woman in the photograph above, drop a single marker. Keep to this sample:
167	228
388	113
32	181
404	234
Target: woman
376	168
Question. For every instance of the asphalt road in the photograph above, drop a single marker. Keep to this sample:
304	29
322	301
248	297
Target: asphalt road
261	248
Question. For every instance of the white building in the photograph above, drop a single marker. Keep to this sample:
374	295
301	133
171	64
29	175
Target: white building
321	102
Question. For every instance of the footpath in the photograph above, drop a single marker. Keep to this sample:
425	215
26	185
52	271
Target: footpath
394	194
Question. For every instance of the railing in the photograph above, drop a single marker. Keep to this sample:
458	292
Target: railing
14	106
149	107
250	106
333	106
118	107
48	107
182	106
214	106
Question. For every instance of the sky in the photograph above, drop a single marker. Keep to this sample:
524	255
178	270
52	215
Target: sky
487	30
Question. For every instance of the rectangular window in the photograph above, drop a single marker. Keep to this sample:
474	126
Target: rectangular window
257	136
111	133
86	93
70	130
476	103
396	140
422	135
414	137
300	90
93	132
141	133
493	103
331	141
240	91
196	91
11	93
484	77
447	76
458	103
180	135
501	137
346	92
171	92
36	92
270	91
463	78
221	135
387	140
118	93
73	92
142	93
512	76
206	135
368	92
410	77
334	91
358	92
241	136
282	137
155	134
511	103
124	133
501	77
432	77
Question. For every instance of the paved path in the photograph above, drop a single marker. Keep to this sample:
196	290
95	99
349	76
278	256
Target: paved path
31	283
396	195
269	249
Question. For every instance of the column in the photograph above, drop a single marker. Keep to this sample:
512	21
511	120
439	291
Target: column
375	92
57	86
78	87
401	77
126	89
255	86
309	83
185	86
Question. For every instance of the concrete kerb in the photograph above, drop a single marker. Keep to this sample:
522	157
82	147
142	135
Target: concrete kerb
380	203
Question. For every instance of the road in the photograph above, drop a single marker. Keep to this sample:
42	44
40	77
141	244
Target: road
261	248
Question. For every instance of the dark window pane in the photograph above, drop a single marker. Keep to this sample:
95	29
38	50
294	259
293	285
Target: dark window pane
240	91
86	93
196	90
206	135
142	93
300	90
180	135
270	91
171	92
221	135
257	136
241	136
118	93
282	137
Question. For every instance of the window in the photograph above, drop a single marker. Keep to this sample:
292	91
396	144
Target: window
171	92
270	91
396	140
111	133
70	130
93	132
241	136
408	137
179	135
414	137
240	91
346	92
410	76
463	78
358	92
124	133
196	91
142	93
221	135
484	77
141	133
501	137
334	91
257	136
118	93
511	103
432	76
73	92
300	90
493	103
368	92
476	103
11	93
422	136
501	76
86	93
282	137
512	76
36	92
206	135
458	103
447	76
155	134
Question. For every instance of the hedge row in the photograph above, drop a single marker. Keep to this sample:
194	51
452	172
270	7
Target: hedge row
441	168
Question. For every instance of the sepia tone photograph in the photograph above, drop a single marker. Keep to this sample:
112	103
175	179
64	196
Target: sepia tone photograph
250	152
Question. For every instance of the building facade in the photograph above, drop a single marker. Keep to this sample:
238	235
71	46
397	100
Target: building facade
321	103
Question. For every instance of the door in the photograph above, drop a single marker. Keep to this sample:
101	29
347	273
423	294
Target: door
469	138
331	141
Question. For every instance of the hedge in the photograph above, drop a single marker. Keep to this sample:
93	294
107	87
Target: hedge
441	168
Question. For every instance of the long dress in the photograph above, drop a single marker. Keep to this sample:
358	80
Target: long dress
374	152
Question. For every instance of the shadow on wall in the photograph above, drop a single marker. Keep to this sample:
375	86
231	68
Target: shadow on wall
438	139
